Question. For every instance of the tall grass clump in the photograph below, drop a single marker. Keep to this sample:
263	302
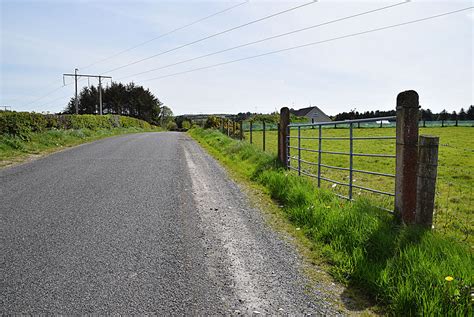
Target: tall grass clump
408	270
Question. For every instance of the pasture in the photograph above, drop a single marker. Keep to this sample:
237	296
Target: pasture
454	211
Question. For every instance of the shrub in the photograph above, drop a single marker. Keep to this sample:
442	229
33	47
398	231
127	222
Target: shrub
172	126
212	122
22	124
186	125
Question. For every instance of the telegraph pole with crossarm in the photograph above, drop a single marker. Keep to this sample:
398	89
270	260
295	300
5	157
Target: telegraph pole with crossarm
76	75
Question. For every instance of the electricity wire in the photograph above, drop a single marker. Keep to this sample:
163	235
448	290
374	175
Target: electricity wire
265	39
210	36
311	44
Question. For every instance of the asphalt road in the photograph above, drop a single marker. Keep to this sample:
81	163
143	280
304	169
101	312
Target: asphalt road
141	224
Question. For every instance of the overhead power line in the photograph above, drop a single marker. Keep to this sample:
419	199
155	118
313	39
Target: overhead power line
45	95
135	46
267	39
211	36
310	44
164	34
56	99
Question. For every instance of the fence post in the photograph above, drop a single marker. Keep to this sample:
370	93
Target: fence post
312	122
234	127
299	151
263	135
406	155
228	127
241	130
283	136
319	154
278	139
427	172
351	158
251	126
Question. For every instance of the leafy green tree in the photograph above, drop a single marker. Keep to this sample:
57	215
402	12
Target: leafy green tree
443	115
470	113
172	126
129	100
166	115
186	125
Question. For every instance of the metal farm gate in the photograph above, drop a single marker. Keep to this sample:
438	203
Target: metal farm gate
295	149
414	171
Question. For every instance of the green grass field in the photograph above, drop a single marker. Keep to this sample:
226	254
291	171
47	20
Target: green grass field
455	194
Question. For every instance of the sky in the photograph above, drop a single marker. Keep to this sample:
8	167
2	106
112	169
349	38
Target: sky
41	40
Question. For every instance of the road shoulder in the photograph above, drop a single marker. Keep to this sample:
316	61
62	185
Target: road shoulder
312	264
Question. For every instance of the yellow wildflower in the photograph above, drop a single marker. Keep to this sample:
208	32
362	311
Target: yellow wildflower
449	278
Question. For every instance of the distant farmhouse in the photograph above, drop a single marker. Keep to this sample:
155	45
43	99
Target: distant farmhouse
314	114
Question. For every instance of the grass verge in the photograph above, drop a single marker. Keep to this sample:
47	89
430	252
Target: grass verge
408	270
14	149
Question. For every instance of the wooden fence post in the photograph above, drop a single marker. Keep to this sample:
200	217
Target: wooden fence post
406	156
251	128
241	130
263	135
427	172
278	139
283	136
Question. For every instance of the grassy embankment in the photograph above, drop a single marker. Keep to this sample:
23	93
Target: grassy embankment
24	135
406	270
455	187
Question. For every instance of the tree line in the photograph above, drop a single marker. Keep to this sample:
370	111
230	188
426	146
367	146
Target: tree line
128	100
425	114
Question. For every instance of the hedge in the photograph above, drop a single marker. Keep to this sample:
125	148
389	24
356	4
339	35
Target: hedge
22	124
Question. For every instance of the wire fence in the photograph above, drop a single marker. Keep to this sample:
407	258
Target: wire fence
270	126
371	176
256	131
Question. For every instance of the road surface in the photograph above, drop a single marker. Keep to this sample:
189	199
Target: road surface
143	223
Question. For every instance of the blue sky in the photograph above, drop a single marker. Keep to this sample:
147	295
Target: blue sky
40	40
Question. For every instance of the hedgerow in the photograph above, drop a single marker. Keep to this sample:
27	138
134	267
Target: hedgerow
22	124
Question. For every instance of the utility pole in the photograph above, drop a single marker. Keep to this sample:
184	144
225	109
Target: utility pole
76	101
76	75
100	95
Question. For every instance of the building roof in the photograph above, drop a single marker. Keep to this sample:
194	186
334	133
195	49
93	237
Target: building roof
311	112
301	112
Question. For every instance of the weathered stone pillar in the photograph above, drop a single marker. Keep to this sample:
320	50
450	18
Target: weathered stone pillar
426	186
406	156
